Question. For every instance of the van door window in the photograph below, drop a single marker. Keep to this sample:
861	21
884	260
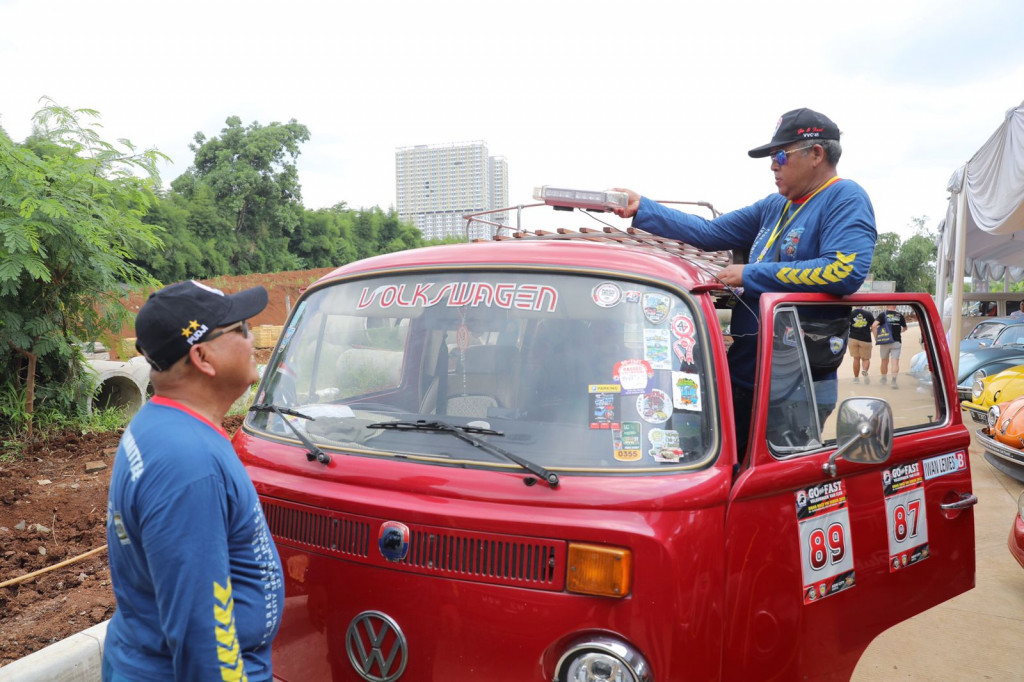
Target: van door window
801	409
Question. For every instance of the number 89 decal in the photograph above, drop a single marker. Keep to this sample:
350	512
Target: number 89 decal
827	546
826	551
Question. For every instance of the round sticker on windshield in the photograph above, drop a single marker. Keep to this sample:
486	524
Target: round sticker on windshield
607	294
654	407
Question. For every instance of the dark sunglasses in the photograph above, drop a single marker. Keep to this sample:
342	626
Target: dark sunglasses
781	157
242	327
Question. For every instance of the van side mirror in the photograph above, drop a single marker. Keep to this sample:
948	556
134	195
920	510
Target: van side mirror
863	433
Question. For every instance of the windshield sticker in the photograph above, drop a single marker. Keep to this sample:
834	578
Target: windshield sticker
686	391
654	407
628	442
604	405
635	376
632	296
944	464
826	544
607	294
505	295
656	348
656	307
683	331
903	487
664	445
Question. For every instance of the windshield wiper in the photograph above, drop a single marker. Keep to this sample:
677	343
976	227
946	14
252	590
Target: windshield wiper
312	451
463	433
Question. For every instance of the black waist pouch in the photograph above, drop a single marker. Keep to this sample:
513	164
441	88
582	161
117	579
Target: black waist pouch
826	342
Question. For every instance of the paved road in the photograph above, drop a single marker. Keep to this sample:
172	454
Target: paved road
978	635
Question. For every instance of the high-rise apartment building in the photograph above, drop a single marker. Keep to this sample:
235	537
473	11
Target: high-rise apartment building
438	184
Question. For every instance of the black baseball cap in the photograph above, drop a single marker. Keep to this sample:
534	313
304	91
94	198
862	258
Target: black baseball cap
178	316
799	124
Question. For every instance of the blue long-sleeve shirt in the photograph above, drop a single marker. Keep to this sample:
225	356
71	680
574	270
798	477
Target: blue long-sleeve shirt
196	575
823	245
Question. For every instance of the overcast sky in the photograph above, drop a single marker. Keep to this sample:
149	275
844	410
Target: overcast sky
662	97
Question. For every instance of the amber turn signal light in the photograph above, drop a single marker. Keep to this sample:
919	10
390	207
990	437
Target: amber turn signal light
599	570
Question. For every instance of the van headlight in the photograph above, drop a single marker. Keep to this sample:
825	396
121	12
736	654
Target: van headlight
602	659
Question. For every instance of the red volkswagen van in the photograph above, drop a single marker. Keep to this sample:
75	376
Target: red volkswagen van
514	460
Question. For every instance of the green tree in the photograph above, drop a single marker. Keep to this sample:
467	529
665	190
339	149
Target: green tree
70	224
911	264
251	174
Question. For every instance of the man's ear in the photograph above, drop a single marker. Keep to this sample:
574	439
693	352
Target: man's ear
200	357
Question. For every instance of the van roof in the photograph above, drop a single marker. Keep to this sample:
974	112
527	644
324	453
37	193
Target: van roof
608	250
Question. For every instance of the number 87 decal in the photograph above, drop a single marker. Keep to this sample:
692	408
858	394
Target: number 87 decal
827	546
900	528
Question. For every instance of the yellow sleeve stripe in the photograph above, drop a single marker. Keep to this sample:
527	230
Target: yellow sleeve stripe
228	653
835	271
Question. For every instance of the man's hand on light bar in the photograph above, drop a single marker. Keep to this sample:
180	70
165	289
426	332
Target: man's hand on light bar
632	203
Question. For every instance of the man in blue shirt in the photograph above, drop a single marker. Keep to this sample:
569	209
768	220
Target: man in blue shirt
196	575
816	235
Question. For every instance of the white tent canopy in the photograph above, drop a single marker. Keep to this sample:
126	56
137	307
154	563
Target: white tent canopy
982	235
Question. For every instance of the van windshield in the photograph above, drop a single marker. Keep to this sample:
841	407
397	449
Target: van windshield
573	372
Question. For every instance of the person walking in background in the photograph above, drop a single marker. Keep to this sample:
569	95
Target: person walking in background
862	324
889	330
196	576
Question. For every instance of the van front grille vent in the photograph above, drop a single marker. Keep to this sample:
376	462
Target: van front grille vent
335	532
481	556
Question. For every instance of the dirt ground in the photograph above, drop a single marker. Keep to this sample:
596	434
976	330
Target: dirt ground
53	501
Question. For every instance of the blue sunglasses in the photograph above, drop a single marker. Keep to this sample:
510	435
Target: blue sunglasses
781	157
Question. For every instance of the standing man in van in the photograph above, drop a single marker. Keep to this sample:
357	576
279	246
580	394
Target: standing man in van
816	235
196	575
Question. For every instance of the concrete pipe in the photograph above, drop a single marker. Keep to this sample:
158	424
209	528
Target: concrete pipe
119	384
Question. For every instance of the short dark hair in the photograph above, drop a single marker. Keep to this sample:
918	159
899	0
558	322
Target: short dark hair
833	150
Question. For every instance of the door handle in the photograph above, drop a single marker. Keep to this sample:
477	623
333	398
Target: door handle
966	500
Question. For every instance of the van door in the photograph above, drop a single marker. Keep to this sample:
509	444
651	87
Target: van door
818	565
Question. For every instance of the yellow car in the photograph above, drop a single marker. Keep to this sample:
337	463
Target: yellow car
989	391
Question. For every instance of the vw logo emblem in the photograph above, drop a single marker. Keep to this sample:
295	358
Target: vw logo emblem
376	647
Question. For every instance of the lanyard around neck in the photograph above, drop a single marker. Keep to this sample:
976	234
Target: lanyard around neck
780	227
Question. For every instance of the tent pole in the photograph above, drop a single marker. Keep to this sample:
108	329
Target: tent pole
941	277
956	330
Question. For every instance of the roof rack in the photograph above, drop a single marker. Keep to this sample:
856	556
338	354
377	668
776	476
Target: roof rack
709	260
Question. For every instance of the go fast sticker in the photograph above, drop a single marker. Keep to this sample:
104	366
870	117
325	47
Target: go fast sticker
826	548
905	516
